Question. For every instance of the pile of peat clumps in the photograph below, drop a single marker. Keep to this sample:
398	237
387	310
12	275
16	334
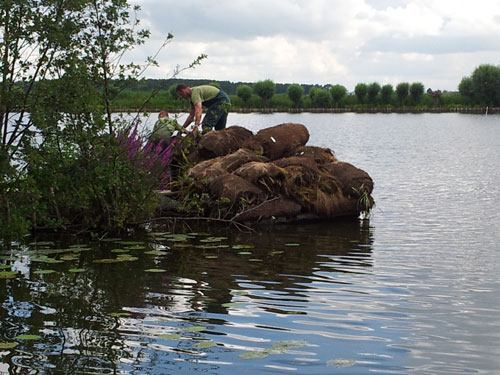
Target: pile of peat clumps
236	175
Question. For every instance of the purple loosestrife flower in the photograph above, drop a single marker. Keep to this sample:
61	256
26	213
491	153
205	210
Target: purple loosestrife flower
147	156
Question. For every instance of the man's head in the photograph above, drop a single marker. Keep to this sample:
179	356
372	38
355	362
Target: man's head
183	91
163	114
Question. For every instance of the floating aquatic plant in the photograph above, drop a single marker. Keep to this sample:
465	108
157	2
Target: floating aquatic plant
120	314
194	329
242	246
279	347
170	336
205	344
28	337
43	272
340	362
107	260
7	275
7	345
155	270
77	270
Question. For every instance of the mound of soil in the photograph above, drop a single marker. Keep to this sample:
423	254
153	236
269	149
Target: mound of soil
234	188
319	154
255	171
277	208
222	142
207	170
354	181
274	174
278	141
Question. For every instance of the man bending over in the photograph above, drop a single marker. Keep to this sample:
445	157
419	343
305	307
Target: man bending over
213	99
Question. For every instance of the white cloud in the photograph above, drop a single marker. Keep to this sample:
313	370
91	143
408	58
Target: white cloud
326	41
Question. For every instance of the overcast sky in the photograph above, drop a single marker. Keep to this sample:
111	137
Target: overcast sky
435	42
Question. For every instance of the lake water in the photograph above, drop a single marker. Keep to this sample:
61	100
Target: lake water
413	290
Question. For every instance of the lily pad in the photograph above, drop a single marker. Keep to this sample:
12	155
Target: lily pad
7	345
292	244
206	247
181	245
108	260
159	234
120	251
45	253
205	344
254	354
170	336
211	257
179	239
194	329
110	239
245	253
7	275
77	270
273	253
77	250
120	314
255	260
239	292
70	257
45	259
341	362
135	247
27	337
213	239
127	258
155	270
131	243
156	253
42	243
43	272
277	348
284	346
229	305
242	246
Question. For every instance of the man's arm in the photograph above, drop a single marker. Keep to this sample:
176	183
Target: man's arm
190	118
198	111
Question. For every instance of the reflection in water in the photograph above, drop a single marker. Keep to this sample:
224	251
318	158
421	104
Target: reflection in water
417	292
281	297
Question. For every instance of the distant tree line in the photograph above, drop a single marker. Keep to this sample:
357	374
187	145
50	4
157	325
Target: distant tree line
481	88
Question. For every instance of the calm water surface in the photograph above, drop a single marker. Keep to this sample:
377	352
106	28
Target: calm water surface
413	290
